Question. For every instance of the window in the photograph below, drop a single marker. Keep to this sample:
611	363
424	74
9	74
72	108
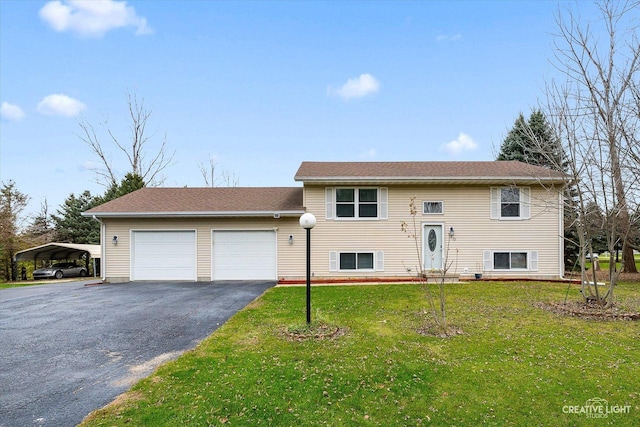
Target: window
511	260
357	202
351	261
430	208
510	203
356	261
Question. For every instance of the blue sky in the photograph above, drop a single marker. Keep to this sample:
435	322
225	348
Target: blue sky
261	86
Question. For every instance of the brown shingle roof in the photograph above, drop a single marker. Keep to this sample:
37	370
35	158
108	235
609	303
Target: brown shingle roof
218	201
489	171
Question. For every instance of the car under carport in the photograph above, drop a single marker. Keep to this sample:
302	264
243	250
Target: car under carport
63	252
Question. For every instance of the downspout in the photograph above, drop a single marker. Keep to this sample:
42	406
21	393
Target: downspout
103	263
561	240
561	234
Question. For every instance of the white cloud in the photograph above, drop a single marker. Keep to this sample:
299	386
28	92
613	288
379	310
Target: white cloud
463	143
448	38
92	18
363	85
369	154
60	105
11	112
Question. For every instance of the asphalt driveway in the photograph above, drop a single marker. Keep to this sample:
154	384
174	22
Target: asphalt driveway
67	349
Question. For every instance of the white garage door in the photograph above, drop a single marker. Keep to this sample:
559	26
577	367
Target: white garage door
244	255
163	255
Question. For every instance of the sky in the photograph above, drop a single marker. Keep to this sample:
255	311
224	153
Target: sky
257	87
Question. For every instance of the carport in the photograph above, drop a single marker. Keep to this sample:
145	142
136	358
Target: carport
62	251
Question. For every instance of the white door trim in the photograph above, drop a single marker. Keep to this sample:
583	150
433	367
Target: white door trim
425	265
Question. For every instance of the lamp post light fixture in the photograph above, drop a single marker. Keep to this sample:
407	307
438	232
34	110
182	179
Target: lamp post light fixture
308	221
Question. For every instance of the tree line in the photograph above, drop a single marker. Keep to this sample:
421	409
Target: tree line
67	224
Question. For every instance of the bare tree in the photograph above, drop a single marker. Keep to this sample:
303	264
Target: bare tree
214	179
136	149
436	303
40	229
594	113
12	204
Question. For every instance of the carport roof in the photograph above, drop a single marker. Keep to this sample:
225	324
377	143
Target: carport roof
204	202
58	251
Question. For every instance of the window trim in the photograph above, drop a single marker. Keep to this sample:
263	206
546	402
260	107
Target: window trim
381	203
489	260
378	261
524	203
357	253
424	205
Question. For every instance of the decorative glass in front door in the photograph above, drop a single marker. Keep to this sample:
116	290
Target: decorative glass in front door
432	238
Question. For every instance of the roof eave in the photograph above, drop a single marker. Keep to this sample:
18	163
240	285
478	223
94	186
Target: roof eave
217	214
430	180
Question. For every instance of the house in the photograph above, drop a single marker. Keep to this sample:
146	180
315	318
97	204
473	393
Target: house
500	219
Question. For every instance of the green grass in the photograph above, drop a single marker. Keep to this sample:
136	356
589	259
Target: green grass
6	285
515	364
605	261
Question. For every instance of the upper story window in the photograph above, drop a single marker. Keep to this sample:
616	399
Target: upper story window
510	203
356	203
429	208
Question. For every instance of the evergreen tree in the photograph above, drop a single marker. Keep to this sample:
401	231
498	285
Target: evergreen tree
532	142
71	226
130	183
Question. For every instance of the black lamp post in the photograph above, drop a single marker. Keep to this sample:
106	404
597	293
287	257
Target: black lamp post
308	221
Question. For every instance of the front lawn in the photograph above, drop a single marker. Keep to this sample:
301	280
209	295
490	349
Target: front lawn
514	364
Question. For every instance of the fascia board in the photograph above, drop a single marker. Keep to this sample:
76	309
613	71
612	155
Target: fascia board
187	214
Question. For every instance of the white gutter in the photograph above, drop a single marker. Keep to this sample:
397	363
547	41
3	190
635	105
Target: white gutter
103	250
190	214
426	180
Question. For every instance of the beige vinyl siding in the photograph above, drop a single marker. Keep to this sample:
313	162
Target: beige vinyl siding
117	265
467	209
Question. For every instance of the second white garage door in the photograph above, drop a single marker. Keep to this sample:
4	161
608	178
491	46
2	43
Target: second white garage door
244	255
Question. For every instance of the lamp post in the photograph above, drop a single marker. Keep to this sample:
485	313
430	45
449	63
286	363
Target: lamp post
308	221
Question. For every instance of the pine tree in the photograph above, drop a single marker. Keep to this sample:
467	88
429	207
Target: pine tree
532	142
71	226
130	183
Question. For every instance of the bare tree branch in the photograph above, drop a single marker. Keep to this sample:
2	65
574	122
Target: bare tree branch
134	150
596	117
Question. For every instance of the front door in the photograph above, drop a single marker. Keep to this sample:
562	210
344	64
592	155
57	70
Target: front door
432	246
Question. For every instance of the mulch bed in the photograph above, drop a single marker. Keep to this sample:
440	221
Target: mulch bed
587	310
317	332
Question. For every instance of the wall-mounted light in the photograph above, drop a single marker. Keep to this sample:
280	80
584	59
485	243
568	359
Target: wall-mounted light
451	232
115	240
291	239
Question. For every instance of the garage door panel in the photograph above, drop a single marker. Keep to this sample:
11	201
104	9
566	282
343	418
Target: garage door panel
244	255
164	255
